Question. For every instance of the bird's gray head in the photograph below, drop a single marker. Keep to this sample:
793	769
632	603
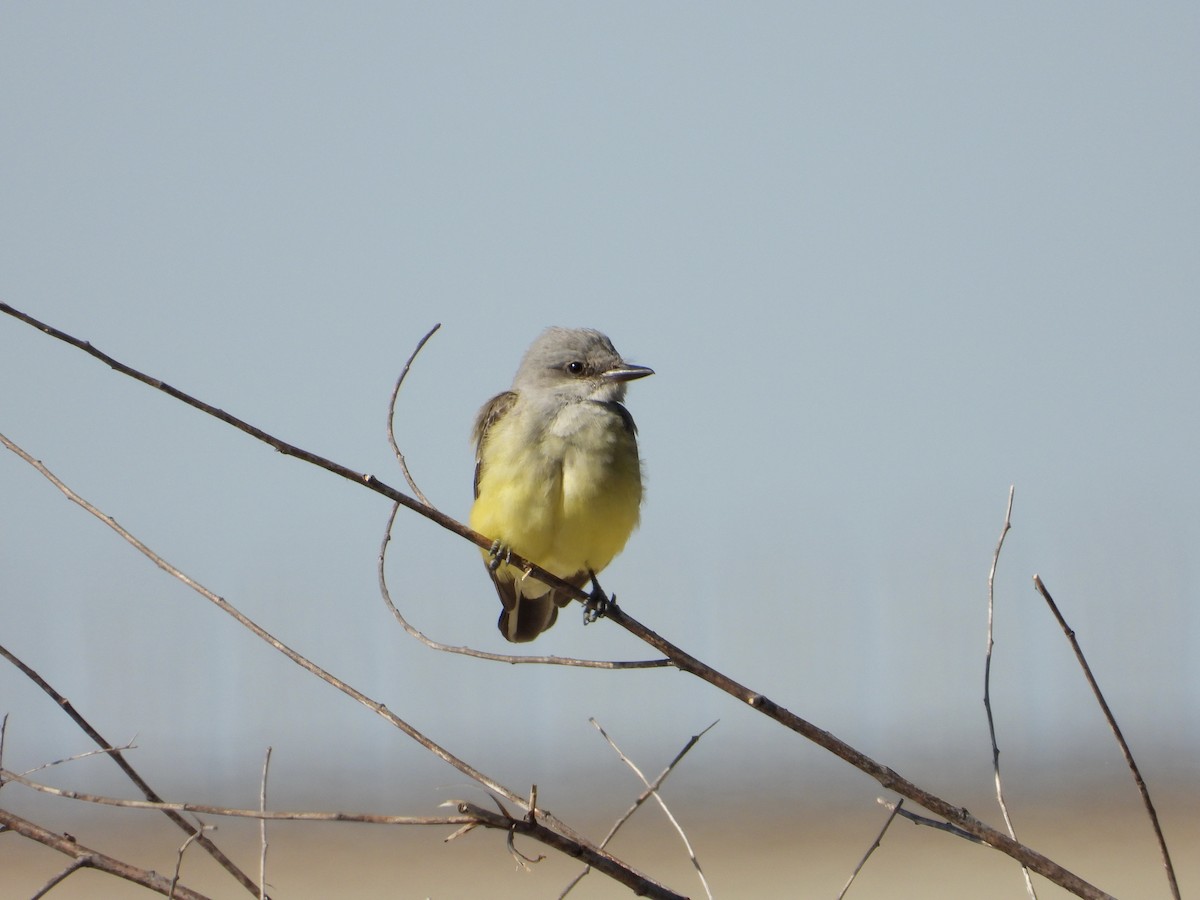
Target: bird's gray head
576	364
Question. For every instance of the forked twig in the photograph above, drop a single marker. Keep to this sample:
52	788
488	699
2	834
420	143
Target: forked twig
1116	730
641	799
874	846
987	686
662	804
179	860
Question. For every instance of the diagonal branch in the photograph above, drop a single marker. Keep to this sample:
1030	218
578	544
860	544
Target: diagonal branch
1116	730
874	846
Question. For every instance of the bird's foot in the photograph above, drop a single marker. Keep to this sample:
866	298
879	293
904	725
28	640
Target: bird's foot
598	603
500	554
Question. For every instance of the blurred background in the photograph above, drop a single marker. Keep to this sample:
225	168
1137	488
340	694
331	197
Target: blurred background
886	260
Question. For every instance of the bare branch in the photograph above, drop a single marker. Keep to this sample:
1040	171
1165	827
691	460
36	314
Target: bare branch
1112	723
874	846
93	859
987	686
234	812
888	778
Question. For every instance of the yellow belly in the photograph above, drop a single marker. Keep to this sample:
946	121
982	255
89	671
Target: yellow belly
565	497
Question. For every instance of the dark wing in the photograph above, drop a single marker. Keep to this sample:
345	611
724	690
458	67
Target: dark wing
491	412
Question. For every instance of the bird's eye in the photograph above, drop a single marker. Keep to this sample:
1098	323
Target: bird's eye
575	368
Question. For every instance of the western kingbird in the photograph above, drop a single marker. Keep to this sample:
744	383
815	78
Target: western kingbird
558	479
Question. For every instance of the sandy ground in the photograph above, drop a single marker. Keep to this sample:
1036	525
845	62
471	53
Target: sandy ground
808	855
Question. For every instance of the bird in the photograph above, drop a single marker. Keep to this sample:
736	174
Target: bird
558	478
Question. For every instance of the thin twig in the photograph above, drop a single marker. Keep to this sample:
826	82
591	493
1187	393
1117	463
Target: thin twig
73	867
272	815
987	686
385	592
662	804
262	829
641	799
524	863
99	751
1116	730
123	764
630	876
684	661
391	431
179	860
874	846
930	823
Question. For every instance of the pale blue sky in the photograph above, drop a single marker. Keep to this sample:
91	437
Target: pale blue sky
886	259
